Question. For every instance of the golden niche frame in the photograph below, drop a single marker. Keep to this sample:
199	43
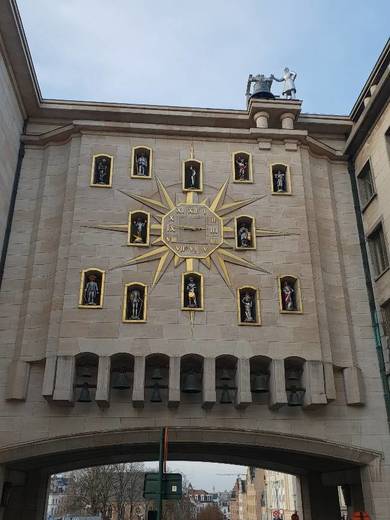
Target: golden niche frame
188	177
133	166
92	182
238	167
286	168
241	306
186	285
296	295
251	230
134	241
97	273
143	303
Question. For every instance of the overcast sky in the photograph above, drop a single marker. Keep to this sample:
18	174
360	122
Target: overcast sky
181	52
205	475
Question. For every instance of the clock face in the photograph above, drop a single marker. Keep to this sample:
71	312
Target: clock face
192	230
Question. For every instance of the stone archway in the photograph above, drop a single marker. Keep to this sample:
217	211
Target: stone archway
321	465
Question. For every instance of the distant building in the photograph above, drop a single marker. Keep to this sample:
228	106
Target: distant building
264	494
202	498
56	498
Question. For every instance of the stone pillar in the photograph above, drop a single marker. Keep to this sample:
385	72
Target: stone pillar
209	395
287	120
243	384
18	376
313	382
353	385
28	496
330	387
261	119
63	390
138	397
2	480
49	377
102	396
174	382
324	500
277	384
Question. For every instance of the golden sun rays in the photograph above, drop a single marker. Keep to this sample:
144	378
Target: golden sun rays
162	251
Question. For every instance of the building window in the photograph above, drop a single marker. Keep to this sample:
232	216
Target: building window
378	250
386	318
366	184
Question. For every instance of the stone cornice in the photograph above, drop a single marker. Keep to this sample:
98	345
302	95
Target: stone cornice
63	133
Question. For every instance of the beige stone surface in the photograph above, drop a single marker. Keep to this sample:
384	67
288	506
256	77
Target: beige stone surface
11	124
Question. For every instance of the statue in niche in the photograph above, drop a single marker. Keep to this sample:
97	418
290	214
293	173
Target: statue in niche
280	181
244	235
248	306
288	296
139	230
136	304
142	164
192	290
289	89
91	291
242	172
102	170
192	176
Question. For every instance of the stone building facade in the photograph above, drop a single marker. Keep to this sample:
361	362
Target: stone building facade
63	354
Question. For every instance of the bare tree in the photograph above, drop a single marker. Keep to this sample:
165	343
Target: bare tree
211	512
90	491
127	489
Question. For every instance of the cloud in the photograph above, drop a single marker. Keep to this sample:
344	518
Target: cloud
200	53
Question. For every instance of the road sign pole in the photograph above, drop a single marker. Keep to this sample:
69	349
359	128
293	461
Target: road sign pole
161	474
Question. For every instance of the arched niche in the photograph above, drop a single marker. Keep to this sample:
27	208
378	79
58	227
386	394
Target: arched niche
293	369
191	374
248	305
290	296
86	371
141	162
122	376
156	378
245	232
192	175
225	378
101	171
91	293
138	233
259	375
135	303
242	167
280	179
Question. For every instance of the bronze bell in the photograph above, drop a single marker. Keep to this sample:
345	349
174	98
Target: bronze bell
85	395
260	383
156	374
295	397
85	371
121	380
225	396
191	384
156	396
225	376
293	374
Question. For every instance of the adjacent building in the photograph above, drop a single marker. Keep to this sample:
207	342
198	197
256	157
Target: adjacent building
265	494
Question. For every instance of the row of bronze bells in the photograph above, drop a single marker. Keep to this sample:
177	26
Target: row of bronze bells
191	385
295	391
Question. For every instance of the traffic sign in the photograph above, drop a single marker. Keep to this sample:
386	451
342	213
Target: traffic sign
171	486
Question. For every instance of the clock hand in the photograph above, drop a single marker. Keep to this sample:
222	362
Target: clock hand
192	228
